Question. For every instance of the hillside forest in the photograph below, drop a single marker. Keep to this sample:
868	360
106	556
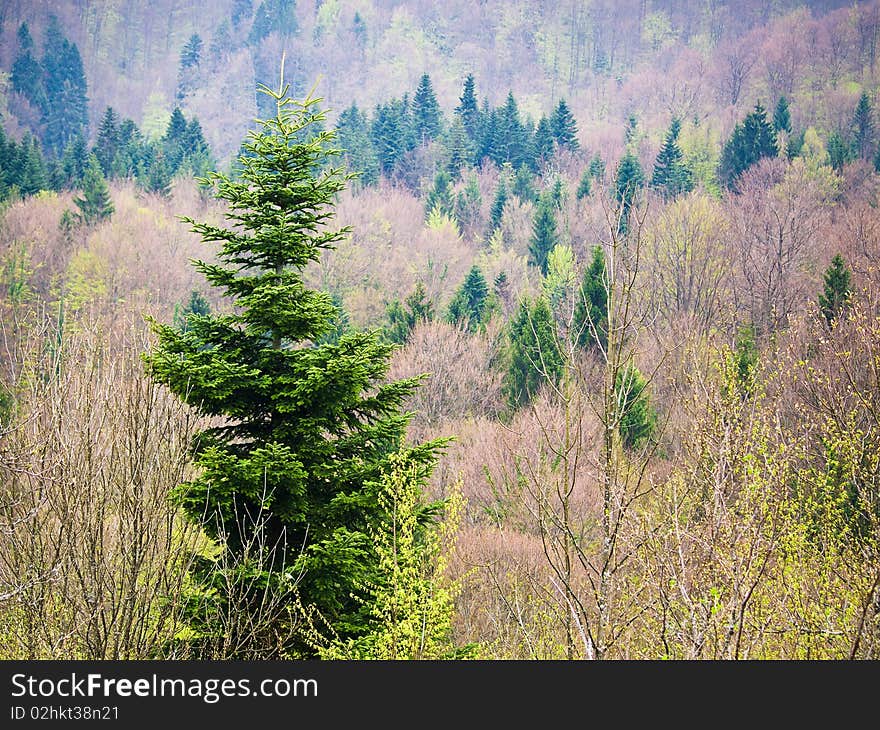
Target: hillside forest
401	330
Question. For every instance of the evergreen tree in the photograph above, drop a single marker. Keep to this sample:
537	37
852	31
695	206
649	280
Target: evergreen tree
627	183
426	117
74	163
467	109
191	54
353	138
523	185
597	167
174	139
509	142
107	143
31	170
637	416
221	43
585	186
781	116
197	306
196	154
440	197
157	177
544	235
486	132
534	353
671	176
544	143
863	129
459	148
837	290
497	211
273	16
391	133
630	131
752	140
839	152
468	303
27	74
95	205
307	432
468	203
564	127
66	111
402	318
590	323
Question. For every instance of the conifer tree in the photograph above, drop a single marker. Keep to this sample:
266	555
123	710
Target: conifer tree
863	129
564	127
353	138
523	185
544	234
627	183
26	73
585	185
468	203
597	167
74	163
157	178
107	143
66	111
638	419
426	116
402	318
307	431
752	140
31	169
190	58
837	290
544	143
241	10
95	205
459	149
440	197
781	116
468	303
590	321
467	109
839	152
671	176
497	211
534	353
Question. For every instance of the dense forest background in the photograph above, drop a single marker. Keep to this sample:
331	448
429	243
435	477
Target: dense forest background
634	244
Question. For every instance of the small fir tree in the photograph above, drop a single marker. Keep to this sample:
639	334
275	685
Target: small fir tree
469	303
544	234
95	205
671	176
837	290
534	353
590	321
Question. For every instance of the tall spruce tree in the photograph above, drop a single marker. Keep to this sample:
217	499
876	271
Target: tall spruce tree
837	290
564	127
497	210
671	176
426	116
467	109
469	303
585	185
627	183
863	129
288	482
544	234
107	143
95	205
534	352
752	140
353	137
782	116
403	318
638	419
66	113
544	143
439	197
590	321
27	74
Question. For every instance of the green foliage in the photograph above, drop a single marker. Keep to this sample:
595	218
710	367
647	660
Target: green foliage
781	116
411	607
458	148
273	16
585	185
534	353
671	176
544	145
468	304
95	205
752	140
497	210
289	476
746	356
391	133
837	290
426	116
27	74
402	318
65	114
564	127
637	417
524	185
590	321
544	234
863	129
839	152
467	109
439	197
107	143
468	203
561	276
353	136
627	183
597	167
197	306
